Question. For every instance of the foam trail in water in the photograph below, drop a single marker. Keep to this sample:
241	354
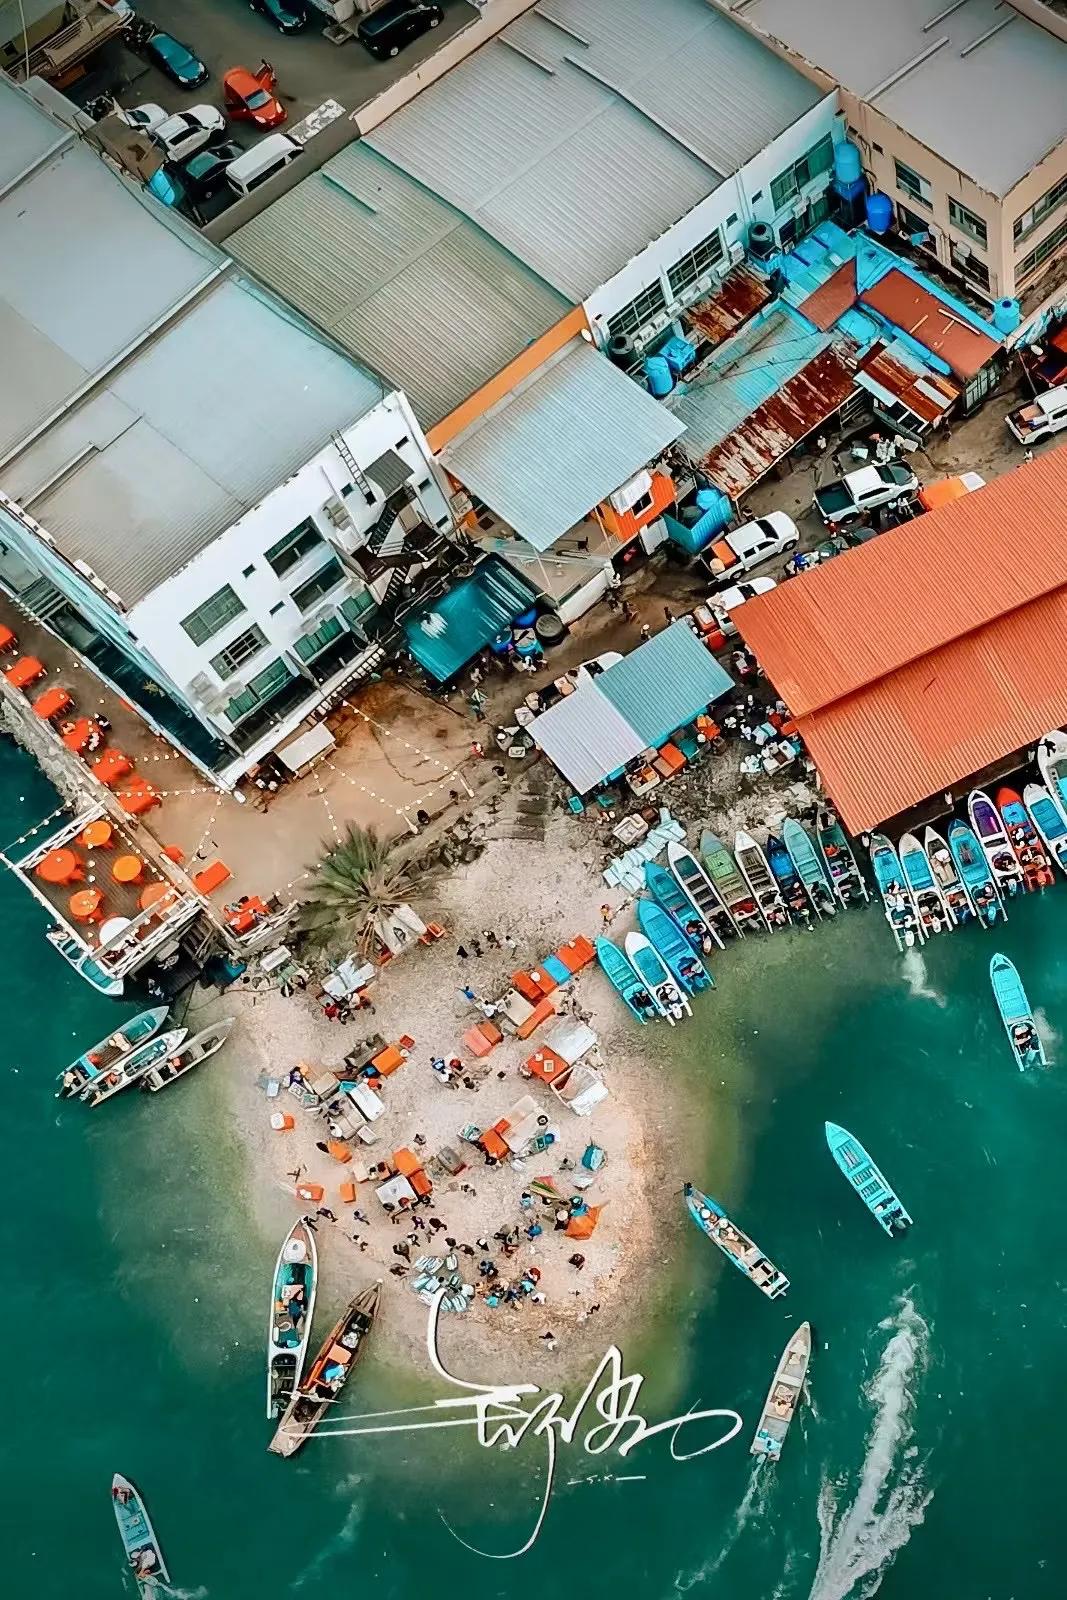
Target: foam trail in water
1050	1035
916	977
891	1498
753	1504
335	1546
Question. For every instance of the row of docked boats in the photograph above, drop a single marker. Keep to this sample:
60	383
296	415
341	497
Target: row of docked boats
139	1053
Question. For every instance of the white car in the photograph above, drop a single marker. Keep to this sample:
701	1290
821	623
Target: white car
754	542
146	118
1041	417
728	600
188	131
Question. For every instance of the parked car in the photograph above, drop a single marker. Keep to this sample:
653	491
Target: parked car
204	173
386	30
750	544
176	60
167	187
145	118
727	601
849	497
1041	417
288	16
188	131
266	158
250	97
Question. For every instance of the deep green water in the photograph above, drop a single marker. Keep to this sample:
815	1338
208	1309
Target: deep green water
927	1465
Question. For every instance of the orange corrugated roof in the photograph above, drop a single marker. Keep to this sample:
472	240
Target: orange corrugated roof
933	324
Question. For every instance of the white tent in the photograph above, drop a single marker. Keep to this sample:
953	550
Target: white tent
580	1088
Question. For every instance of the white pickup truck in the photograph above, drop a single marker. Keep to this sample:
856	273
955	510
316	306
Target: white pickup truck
749	545
849	497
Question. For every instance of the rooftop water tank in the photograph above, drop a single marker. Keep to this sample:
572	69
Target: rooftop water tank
713	519
848	165
879	212
658	376
761	241
679	354
1007	315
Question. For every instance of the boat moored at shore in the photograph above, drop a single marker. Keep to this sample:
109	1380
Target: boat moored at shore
934	913
668	893
1048	818
192	1053
784	1395
988	829
1015	1013
809	867
735	1245
688	970
1052	765
656	976
700	891
624	980
1024	840
791	887
292	1306
900	909
755	869
975	872
344	1347
839	859
131	1068
881	1201
84	965
100	1057
734	892
946	875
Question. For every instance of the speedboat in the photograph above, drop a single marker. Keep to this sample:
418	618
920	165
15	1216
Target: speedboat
102	1055
975	871
689	971
700	891
664	888
734	892
930	903
139	1539
657	978
900	909
132	1067
84	965
790	885
1023	837
191	1054
809	866
881	1201
292	1304
1049	820
735	1245
331	1369
1016	1015
946	875
623	979
989	830
784	1395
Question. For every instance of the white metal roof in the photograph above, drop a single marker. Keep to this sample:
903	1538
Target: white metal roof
585	737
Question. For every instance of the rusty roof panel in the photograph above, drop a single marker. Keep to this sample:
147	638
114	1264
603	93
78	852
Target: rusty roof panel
927	395
739	296
932	324
833	298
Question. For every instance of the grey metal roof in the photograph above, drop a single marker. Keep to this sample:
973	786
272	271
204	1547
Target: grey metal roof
586	738
27	136
390	472
399	277
991	113
570	436
587	127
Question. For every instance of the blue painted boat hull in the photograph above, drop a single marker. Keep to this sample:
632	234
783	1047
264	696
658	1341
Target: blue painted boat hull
869	1183
688	969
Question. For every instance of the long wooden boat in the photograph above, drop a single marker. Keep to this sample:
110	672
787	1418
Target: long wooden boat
292	1305
700	892
132	1067
624	980
735	1245
655	974
192	1053
688	970
138	1538
100	1057
735	893
1052	765
881	1201
664	888
1015	1013
793	892
901	912
989	831
946	874
754	868
783	1396
975	871
808	863
329	1372
934	913
75	955
1023	837
839	858
1049	820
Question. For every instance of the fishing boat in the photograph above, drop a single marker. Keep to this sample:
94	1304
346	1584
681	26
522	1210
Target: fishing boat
192	1053
946	874
1016	1015
689	971
736	1246
796	897
755	869
664	887
1048	819
132	1067
784	1395
654	973
103	1055
934	913
700	891
839	858
734	892
974	869
624	981
881	1201
328	1373
1052	765
989	830
84	965
1023	837
809	865
138	1538
900	909
292	1304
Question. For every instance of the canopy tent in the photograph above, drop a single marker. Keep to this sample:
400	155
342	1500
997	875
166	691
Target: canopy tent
444	635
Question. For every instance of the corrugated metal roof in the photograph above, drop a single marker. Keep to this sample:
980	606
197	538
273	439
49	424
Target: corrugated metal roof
27	135
833	298
446	633
930	323
400	278
572	434
664	683
890	373
586	738
739	296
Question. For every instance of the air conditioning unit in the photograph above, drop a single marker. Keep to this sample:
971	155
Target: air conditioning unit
736	253
339	514
650	330
960	250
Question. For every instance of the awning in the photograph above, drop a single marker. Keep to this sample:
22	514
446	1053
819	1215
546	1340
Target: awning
306	747
444	635
561	444
390	472
664	683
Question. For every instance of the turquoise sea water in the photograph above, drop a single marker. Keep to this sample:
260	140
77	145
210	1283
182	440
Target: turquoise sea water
926	1465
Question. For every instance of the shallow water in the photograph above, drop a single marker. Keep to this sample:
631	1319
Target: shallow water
136	1321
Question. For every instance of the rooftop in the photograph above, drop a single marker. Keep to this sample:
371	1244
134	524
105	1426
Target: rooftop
936	69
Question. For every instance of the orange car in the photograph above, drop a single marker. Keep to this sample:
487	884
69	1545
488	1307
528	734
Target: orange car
250	97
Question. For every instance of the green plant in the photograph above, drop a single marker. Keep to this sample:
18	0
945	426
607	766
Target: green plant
358	883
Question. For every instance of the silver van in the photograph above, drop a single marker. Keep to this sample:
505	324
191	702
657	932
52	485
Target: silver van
265	158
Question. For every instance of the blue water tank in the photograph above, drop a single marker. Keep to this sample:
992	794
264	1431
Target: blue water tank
879	212
1007	315
848	165
708	499
679	354
658	376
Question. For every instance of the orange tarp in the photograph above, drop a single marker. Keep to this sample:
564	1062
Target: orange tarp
406	1161
421	1183
476	1042
387	1060
527	986
540	1013
546	1064
576	953
493	1144
584	1227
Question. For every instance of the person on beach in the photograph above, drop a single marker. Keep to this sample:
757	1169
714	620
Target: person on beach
476	947
324	1211
357	1216
646	632
468	994
402	1249
462	952
577	1261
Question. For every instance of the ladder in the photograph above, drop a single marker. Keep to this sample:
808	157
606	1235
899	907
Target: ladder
355	471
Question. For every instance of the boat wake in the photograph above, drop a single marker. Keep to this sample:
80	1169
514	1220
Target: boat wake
335	1546
859	1540
917	978
1050	1034
754	1504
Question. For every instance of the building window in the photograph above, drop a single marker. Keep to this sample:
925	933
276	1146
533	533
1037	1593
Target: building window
626	322
973	268
248	571
313	644
359	610
1040	209
707	254
968	222
264	686
277	610
788	184
238	651
305	594
910	221
284	555
912	184
214	614
1041	252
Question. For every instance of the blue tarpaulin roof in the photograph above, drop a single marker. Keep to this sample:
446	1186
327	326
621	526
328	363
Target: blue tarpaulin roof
444	635
664	683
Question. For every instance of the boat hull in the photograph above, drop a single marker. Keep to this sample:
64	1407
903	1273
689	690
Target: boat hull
1023	837
735	1245
734	892
974	870
809	866
132	1067
946	874
326	1380
936	915
1048	818
901	912
686	968
138	1537
700	892
100	1057
783	1396
653	972
988	828
754	867
193	1052
297	1268
1016	1014
620	975
867	1180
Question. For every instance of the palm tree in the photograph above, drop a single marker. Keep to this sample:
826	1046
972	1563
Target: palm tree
358	882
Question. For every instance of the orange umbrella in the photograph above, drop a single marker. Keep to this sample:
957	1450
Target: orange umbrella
60	866
99	835
128	869
85	905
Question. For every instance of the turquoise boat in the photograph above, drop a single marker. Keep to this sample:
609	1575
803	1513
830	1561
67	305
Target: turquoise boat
881	1201
793	892
665	889
900	910
1052	764
736	1246
925	890
688	969
656	976
624	980
101	1057
1016	1015
1048	819
805	858
839	859
139	1539
974	869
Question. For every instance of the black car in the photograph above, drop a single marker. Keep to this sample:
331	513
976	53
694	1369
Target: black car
176	60
205	172
387	30
288	16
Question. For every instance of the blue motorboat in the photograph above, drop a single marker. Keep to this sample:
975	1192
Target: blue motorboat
812	873
946	874
839	859
974	869
1016	1015
736	1246
78	957
102	1056
624	980
656	976
930	903
1052	765
789	882
881	1201
1049	820
901	912
665	889
139	1539
687	967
